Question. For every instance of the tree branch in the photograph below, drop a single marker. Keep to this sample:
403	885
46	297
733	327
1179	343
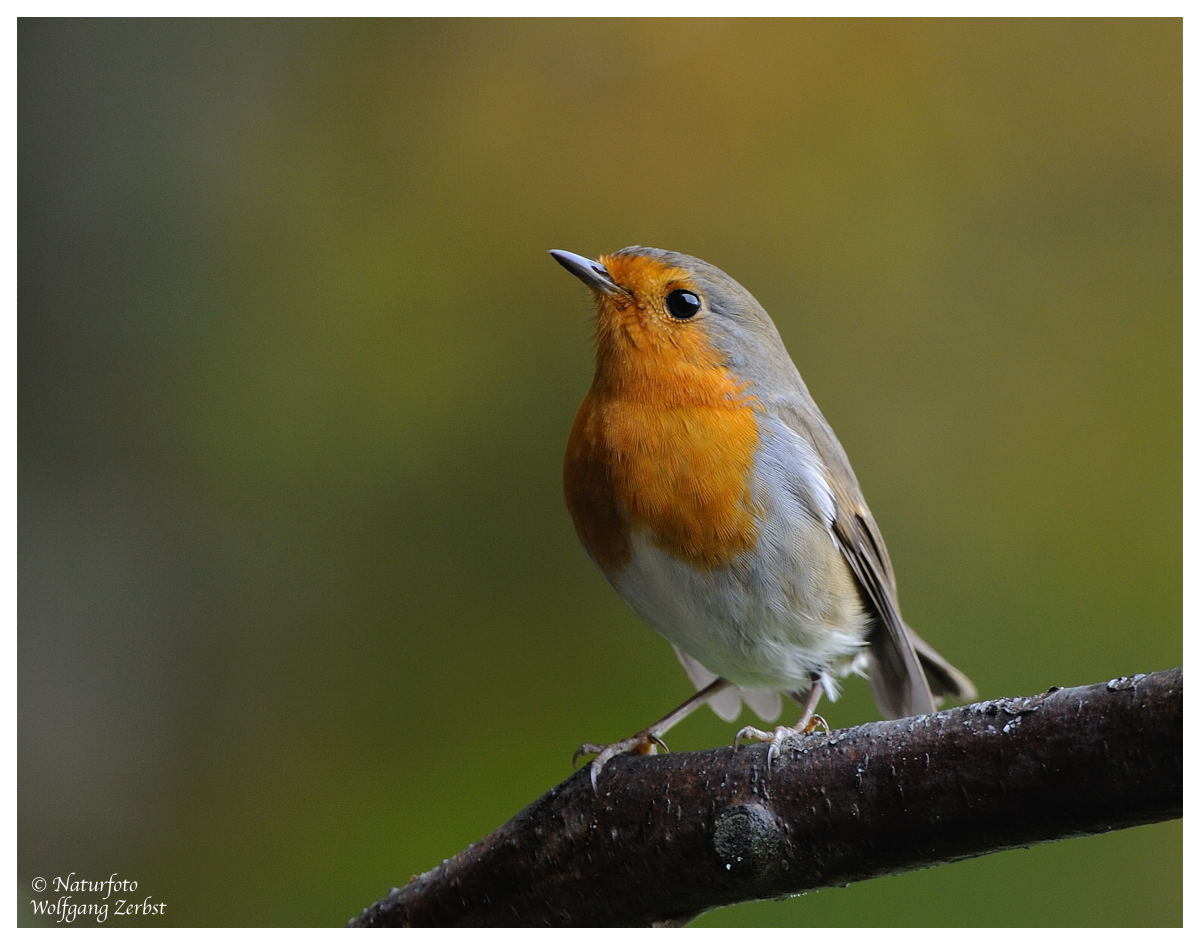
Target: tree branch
670	836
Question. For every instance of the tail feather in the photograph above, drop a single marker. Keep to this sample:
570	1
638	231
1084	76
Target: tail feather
945	680
767	704
727	703
900	693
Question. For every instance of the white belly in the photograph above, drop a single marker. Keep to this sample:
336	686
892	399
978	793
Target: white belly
775	616
769	620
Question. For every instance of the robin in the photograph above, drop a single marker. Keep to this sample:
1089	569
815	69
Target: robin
707	486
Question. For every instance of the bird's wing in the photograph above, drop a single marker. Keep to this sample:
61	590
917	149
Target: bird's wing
896	675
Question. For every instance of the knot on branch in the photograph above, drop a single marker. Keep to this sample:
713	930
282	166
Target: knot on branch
749	841
673	835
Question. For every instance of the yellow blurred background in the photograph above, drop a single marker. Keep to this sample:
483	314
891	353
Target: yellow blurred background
301	611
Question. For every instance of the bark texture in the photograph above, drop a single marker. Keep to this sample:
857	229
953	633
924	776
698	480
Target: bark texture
667	837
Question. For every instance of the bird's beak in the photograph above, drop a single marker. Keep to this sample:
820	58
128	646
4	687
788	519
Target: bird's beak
588	271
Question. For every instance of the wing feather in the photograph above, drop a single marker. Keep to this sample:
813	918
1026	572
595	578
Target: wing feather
897	678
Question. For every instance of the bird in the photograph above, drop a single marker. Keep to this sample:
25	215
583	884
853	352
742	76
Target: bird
706	485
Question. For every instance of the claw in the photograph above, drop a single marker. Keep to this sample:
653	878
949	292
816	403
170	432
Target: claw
776	739
643	743
587	748
602	758
750	734
648	739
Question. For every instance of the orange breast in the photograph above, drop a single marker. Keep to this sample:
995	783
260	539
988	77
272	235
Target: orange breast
665	444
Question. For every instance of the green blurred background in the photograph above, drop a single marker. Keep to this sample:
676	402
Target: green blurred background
301	610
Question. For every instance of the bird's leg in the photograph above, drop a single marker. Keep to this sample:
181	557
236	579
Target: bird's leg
808	723
644	742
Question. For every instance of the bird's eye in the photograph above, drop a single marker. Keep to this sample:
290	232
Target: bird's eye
683	304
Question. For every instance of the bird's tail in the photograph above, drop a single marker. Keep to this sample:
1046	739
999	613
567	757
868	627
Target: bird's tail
945	680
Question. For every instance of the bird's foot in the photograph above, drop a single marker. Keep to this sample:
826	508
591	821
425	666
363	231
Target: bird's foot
781	734
646	742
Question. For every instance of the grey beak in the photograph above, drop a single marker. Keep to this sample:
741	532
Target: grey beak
588	271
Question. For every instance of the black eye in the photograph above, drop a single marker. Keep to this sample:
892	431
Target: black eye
683	304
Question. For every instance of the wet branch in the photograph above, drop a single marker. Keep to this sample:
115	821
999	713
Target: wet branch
673	835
